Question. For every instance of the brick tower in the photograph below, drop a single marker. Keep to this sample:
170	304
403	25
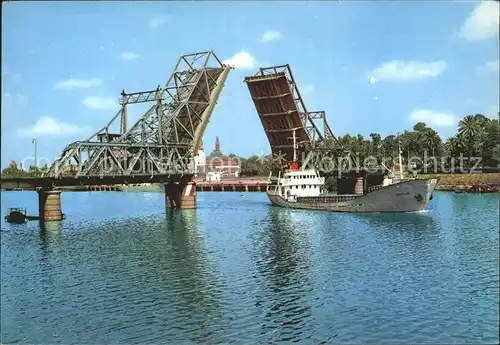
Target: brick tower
217	144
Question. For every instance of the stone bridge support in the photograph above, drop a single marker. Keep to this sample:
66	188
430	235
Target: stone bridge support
49	205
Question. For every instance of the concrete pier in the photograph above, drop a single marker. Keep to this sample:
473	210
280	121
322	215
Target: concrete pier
188	197
172	195
49	205
181	196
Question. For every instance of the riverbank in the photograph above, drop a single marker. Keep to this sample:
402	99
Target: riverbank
476	183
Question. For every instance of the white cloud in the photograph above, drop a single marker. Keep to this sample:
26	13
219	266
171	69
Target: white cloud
407	71
482	23
434	118
305	89
17	99
69	84
48	126
489	67
271	36
242	60
100	103
128	56
159	20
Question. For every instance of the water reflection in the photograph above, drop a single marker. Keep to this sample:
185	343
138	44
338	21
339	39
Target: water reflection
398	221
196	289
412	233
51	229
277	274
280	255
50	237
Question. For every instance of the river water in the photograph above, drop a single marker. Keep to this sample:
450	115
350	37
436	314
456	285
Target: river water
119	269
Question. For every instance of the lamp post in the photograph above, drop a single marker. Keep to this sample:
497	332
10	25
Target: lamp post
34	142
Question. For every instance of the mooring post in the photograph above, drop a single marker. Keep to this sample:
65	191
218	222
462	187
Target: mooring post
49	205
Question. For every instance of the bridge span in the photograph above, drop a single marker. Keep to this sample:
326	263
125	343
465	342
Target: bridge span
158	148
282	111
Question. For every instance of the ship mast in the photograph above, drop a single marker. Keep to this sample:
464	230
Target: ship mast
294	146
294	165
399	158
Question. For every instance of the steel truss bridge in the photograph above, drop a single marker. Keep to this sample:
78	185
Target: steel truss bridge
164	139
161	144
282	111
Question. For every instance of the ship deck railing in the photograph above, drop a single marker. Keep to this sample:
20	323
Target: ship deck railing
375	187
328	198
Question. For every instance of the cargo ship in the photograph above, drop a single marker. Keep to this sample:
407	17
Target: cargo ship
305	189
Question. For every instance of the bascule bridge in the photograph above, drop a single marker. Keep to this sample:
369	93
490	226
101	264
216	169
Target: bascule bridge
282	111
287	122
158	148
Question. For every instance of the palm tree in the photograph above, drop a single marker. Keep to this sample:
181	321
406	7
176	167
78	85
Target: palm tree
431	140
482	120
453	146
479	141
468	128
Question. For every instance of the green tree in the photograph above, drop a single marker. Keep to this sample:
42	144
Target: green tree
431	140
468	129
453	146
420	127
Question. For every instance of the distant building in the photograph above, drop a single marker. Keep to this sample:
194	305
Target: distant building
200	160
217	144
212	176
226	167
216	165
217	162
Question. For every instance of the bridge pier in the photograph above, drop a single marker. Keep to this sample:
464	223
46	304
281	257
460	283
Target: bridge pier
49	205
188	197
181	196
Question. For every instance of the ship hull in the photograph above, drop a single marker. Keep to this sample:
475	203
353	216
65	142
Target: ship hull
408	196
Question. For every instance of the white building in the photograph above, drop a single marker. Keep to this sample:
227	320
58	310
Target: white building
212	176
199	159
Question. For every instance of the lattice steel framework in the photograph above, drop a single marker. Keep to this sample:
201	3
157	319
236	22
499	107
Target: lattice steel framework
166	137
282	110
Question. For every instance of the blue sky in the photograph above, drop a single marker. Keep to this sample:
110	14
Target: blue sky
372	66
